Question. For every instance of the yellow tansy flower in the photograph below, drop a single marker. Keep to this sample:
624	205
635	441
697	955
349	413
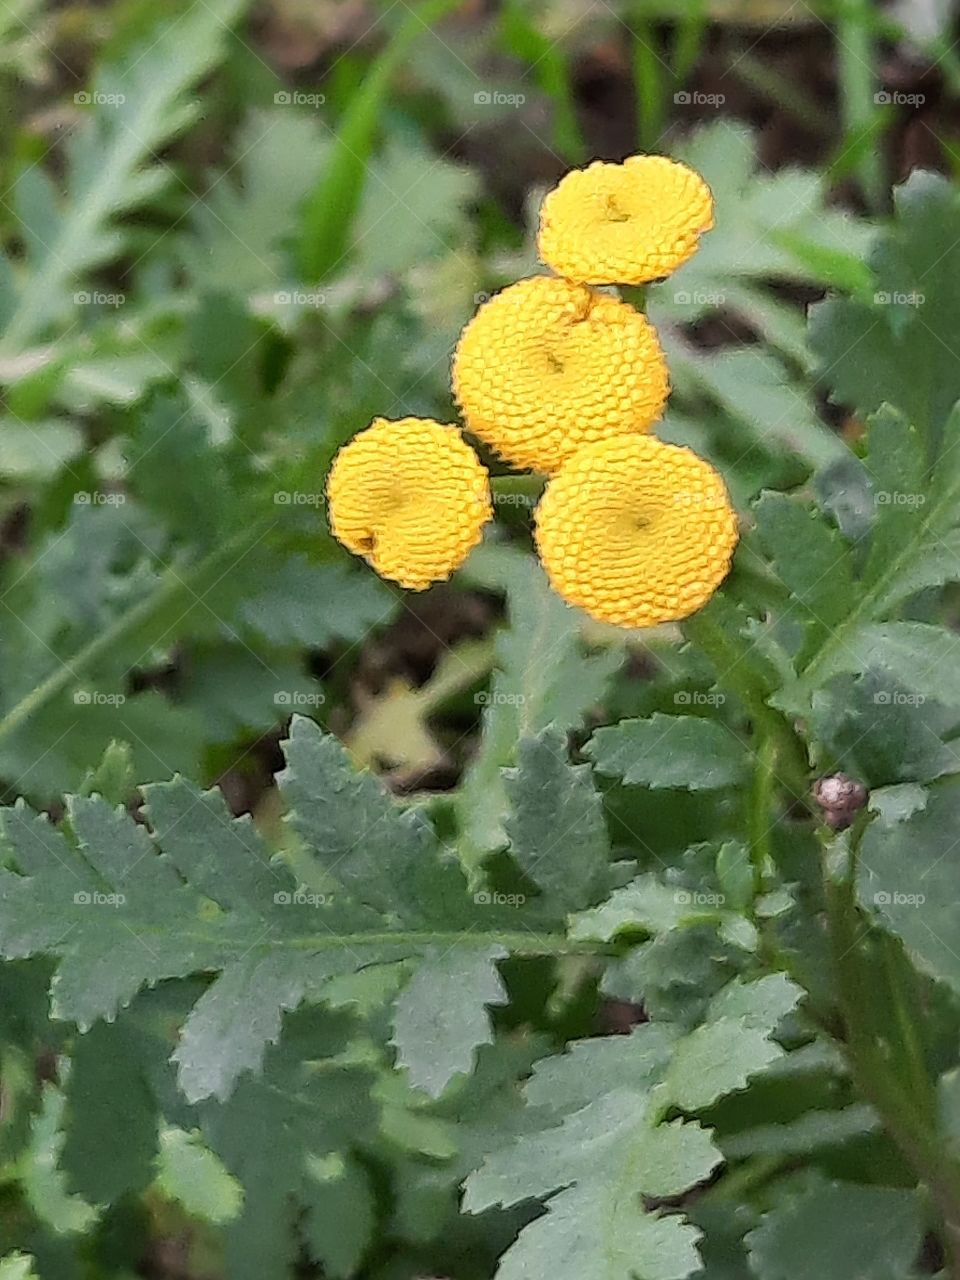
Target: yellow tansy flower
548	365
624	223
635	531
411	497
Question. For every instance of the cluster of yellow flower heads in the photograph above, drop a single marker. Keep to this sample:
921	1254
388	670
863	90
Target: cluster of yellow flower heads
560	378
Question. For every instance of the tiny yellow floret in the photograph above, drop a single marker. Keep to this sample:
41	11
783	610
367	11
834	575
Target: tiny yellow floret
635	531
548	365
411	497
624	223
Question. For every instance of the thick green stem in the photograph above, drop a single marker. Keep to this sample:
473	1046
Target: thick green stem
904	1106
760	816
521	486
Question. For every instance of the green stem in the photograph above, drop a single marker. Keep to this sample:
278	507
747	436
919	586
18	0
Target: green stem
904	1002
761	809
172	585
518	943
523	486
906	1116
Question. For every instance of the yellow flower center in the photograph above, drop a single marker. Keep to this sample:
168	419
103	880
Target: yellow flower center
411	497
548	365
635	531
624	223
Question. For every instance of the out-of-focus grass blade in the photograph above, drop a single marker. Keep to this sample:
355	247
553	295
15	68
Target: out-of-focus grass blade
330	210
649	71
551	66
856	59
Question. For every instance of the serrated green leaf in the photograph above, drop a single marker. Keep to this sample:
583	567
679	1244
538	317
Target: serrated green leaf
440	1017
597	1231
761	1004
421	198
733	1044
232	1023
189	1172
810	1133
875	729
316	604
107	177
42	1179
568	1081
717	1059
613	1151
669	751
297	1114
649	905
542	679
919	657
810	558
388	857
241	227
111	1137
340	1217
908	877
556	827
893	344
837	1230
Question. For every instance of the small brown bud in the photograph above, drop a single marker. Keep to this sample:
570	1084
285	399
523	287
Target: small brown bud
841	798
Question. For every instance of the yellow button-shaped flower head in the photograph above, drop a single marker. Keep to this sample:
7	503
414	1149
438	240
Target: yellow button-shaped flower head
411	497
548	365
624	223
635	531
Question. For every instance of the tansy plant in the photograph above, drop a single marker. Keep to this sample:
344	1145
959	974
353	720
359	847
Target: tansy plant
556	376
539	950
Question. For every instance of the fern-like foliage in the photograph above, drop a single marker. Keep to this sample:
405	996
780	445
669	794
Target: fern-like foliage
129	114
